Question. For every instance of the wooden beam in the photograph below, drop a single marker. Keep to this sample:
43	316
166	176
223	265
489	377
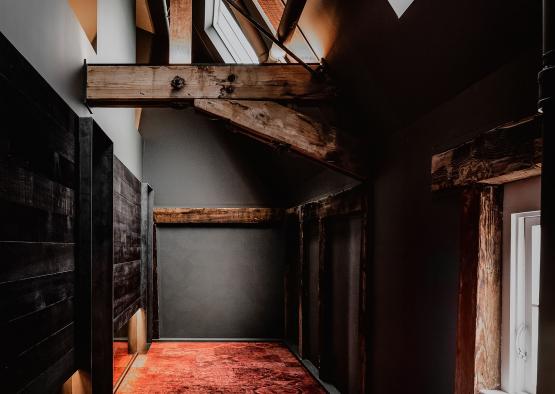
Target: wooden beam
346	202
160	45
181	31
136	85
276	124
217	215
478	355
504	154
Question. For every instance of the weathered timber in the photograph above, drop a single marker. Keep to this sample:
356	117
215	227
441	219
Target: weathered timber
155	303
478	355
102	253
181	31
346	202
279	125
504	154
135	85
37	243
147	199
127	270
217	215
301	283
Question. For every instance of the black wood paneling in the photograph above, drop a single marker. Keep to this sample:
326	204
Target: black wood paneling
37	243
102	262
127	244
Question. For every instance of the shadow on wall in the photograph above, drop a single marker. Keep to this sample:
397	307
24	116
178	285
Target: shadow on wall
192	160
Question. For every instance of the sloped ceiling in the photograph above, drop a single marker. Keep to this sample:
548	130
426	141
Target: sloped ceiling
395	70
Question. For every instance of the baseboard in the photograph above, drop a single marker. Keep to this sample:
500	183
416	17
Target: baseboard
218	340
311	368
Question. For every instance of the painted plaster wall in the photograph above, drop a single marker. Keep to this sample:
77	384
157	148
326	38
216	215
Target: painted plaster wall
49	36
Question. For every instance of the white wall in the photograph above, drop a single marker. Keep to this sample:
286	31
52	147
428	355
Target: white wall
520	196
50	37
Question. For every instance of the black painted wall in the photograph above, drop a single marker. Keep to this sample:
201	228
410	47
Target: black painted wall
37	239
127	244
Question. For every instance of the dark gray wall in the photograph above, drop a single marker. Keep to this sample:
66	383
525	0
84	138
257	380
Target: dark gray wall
414	275
438	82
213	281
220	282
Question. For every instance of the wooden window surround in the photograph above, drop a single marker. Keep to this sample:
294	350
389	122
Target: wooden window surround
481	166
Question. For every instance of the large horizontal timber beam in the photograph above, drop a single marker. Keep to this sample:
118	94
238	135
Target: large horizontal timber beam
217	215
284	127
505	154
174	85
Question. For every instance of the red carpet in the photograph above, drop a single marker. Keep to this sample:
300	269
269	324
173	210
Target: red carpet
218	367
121	359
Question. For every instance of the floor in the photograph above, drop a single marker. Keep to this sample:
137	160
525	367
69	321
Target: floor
218	367
121	359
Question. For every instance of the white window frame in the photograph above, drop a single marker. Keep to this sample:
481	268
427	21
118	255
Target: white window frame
226	35
520	375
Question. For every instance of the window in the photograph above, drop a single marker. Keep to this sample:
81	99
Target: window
524	303
226	35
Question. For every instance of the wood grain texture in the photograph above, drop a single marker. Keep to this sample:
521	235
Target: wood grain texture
217	215
102	254
302	264
134	85
181	31
346	202
488	294
37	243
276	124
477	364
504	154
127	269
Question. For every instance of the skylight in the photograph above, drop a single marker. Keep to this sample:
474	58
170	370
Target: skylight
226	35
400	6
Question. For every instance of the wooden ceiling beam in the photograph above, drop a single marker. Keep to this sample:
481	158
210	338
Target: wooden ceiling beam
217	215
505	154
141	85
181	31
281	126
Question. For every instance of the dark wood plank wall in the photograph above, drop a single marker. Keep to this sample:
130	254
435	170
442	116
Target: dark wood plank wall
37	241
127	244
331	307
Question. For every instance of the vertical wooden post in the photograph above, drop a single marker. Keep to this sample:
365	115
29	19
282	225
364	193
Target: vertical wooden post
323	299
155	305
181	31
479	315
302	270
362	312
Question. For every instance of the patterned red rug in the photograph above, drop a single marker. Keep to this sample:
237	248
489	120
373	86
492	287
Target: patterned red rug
218	367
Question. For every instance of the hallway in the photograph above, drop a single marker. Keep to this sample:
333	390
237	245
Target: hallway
218	367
